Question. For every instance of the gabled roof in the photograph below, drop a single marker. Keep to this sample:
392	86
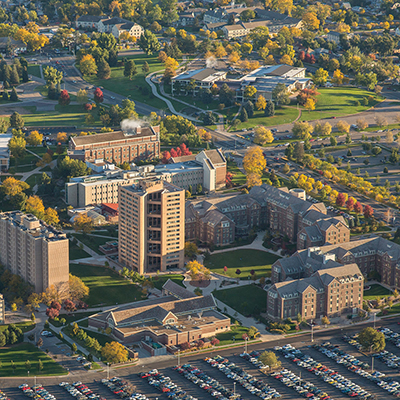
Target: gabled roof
177	290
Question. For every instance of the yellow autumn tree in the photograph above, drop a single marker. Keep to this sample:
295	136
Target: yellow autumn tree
263	135
12	187
34	205
35	138
254	161
338	77
253	180
62	137
51	216
114	353
310	104
285	59
83	223
261	103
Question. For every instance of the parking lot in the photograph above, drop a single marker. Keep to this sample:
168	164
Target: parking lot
329	368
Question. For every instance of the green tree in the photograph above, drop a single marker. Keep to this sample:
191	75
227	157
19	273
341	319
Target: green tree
281	94
371	339
103	69
269	109
13	95
16	121
17	147
74	348
320	77
269	358
298	152
40	365
145	68
302	130
148	42
52	75
130	69
243	115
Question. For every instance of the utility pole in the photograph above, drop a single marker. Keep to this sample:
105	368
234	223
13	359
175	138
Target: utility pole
234	388
312	332
372	360
108	371
245	344
179	358
374	319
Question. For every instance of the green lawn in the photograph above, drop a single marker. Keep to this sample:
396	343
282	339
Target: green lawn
25	326
42	89
248	300
239	178
70	318
72	115
233	336
160	280
106	287
93	242
376	291
120	84
339	101
245	260
23	352
34	70
282	115
33	179
75	252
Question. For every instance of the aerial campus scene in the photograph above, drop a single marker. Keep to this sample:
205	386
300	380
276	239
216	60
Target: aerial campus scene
199	199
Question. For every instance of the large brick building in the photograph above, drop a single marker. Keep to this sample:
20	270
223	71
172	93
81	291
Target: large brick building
218	220
151	226
372	254
330	291
117	147
33	250
177	317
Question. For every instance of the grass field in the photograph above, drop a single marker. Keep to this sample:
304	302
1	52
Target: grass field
120	84
282	115
160	280
106	287
233	336
338	102
75	252
239	178
71	318
93	242
62	116
245	260
23	352
33	179
24	326
34	70
376	291
248	300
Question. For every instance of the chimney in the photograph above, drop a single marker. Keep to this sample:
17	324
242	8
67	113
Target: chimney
138	130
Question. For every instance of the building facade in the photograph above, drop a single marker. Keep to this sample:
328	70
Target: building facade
151	226
177	317
33	250
118	25
327	292
117	147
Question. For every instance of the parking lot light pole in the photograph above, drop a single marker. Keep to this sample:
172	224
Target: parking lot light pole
234	388
372	360
108	371
179	358
312	332
374	319
245	344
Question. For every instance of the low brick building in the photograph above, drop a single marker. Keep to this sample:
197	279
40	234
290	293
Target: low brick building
328	292
179	316
117	147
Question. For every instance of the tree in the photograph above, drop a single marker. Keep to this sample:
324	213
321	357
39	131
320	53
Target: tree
310	104
74	348
98	96
77	289
310	21
298	152
51	216
16	121
190	249
338	77
381	121
12	187
64	98
82	96
261	103
148	42
368	211
62	137
263	135
253	180
130	69
16	146
34	205
358	208
249	107
343	126
88	65
269	358
250	92
52	75
243	115
320	77
35	138
254	161
114	353
361	124
302	130
39	343
103	69
83	223
280	94
269	109
371	339
340	200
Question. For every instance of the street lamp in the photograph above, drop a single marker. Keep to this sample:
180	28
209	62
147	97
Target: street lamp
234	388
108	371
312	331
245	344
179	358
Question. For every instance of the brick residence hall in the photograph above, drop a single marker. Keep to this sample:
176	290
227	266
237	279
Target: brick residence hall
179	316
